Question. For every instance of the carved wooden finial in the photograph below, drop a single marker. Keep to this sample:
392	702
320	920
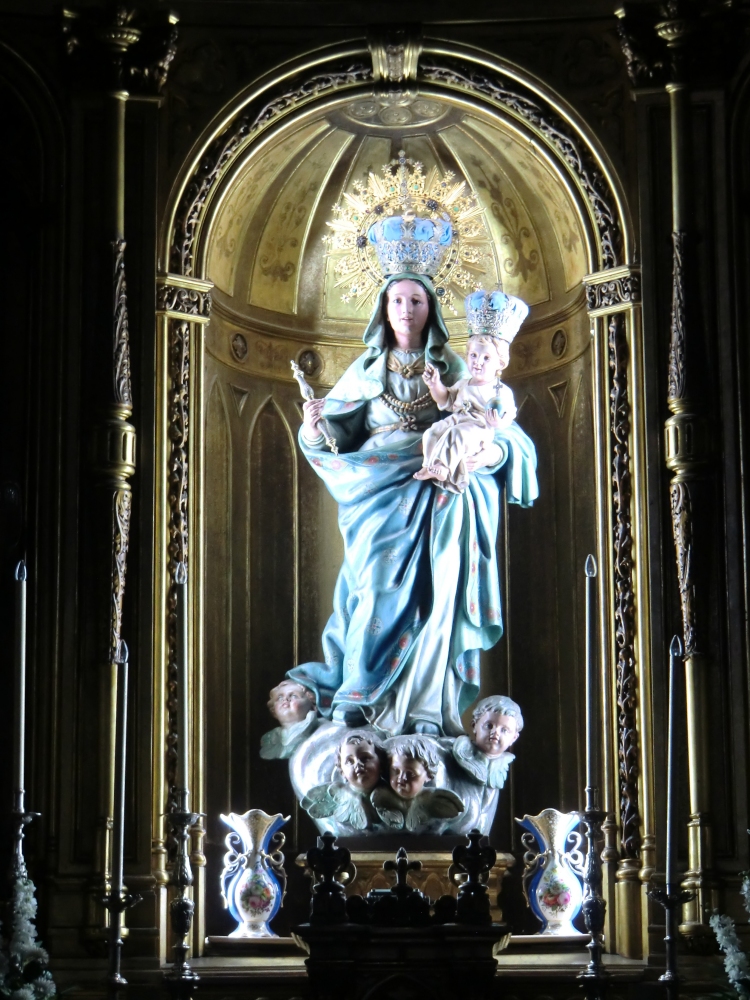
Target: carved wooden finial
328	905
402	866
474	860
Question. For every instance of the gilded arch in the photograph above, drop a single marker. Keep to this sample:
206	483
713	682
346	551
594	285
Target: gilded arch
471	79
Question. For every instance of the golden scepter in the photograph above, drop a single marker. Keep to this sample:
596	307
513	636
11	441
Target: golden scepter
307	393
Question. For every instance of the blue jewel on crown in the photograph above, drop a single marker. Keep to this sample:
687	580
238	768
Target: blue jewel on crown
409	243
494	314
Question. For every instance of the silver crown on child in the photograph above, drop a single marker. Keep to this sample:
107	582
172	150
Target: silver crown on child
494	314
409	243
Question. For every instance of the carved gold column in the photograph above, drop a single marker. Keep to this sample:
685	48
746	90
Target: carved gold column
687	455
183	306
114	437
113	54
613	299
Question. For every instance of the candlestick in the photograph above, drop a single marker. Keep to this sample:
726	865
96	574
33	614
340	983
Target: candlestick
594	978
591	728
671	897
21	818
121	719
675	654
20	691
118	899
181	779
181	980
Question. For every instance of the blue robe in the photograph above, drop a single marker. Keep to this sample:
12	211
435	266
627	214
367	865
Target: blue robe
418	595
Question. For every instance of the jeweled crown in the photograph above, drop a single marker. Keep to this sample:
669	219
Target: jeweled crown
408	243
406	221
494	314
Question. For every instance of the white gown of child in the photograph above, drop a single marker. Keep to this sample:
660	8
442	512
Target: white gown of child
465	432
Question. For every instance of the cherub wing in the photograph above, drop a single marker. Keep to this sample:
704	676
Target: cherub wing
350	807
389	807
271	744
498	769
319	802
431	805
466	756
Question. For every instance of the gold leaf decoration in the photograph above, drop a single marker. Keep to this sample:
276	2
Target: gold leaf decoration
403	189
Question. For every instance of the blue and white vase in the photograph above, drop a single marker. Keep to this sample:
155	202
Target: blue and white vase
253	881
552	876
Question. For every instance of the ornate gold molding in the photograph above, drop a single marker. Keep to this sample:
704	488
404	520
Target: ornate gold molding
627	681
612	290
121	350
603	219
233	139
676	377
610	294
186	302
177	500
523	104
395	58
141	46
182	298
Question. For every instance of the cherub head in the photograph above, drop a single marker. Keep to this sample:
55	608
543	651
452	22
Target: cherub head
487	358
290	702
361	760
497	723
413	762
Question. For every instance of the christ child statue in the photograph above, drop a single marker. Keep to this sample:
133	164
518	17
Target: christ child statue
480	403
406	804
497	723
360	761
294	708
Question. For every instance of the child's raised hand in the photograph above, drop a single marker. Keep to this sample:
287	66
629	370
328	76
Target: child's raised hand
431	377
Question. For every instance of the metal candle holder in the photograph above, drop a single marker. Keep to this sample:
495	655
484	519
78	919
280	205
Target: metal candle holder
116	902
118	899
21	819
595	977
671	897
181	980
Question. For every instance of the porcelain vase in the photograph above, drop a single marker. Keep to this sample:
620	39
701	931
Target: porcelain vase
253	879
552	877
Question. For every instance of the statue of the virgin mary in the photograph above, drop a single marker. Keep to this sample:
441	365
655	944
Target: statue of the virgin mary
418	594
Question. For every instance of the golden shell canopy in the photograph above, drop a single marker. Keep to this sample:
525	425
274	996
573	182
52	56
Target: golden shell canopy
266	252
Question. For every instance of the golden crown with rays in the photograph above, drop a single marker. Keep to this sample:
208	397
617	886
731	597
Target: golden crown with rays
406	221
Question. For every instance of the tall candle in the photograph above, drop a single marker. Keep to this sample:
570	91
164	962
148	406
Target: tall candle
20	678
591	730
121	736
182	682
675	653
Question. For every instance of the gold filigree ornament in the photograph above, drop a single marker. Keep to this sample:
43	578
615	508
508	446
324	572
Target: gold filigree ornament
404	194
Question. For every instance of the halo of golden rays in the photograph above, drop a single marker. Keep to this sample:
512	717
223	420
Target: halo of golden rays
402	189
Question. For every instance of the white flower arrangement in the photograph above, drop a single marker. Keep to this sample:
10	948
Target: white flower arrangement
23	962
736	963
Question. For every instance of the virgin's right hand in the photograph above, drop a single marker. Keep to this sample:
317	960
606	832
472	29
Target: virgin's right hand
312	410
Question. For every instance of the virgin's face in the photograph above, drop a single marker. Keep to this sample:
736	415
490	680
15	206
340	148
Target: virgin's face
408	309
